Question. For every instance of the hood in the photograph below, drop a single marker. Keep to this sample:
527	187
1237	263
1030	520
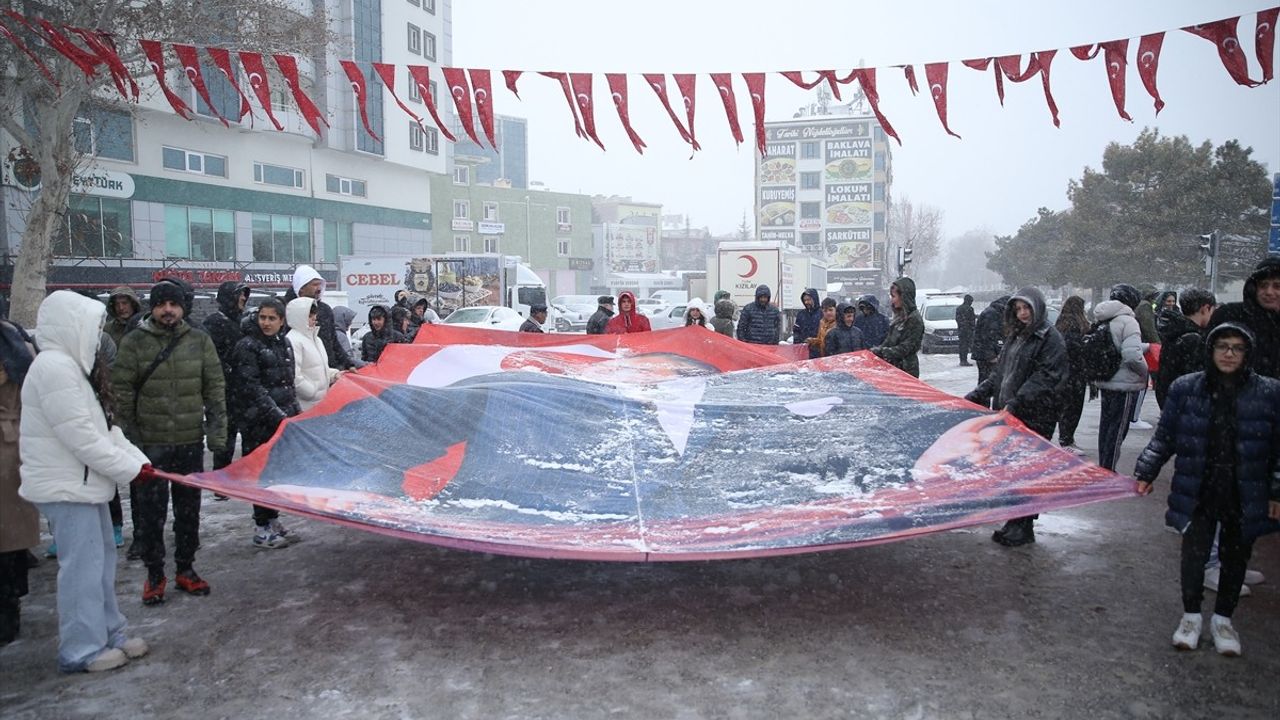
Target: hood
1171	324
724	309
840	309
1108	310
907	289
809	292
379	311
763	291
123	291
1000	302
1218	332
1265	269
229	293
1039	316
72	323
342	317
305	274
870	300
627	294
1126	294
296	314
1164	295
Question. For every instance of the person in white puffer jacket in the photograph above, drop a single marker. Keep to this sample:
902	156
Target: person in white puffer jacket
1120	392
73	458
312	375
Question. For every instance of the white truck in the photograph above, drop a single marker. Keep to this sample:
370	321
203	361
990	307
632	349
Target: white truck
741	266
449	281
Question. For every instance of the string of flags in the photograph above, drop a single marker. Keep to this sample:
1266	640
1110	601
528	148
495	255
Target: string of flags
472	93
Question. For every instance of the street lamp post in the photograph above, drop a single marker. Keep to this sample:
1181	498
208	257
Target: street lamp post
528	234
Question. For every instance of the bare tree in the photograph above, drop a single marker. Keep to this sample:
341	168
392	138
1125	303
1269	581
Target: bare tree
40	114
916	226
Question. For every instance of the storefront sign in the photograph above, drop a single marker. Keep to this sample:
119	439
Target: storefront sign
581	263
463	224
490	228
103	183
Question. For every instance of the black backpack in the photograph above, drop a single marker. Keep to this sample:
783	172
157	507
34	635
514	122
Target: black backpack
1099	356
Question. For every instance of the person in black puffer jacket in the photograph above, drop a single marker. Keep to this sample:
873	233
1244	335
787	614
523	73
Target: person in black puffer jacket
379	336
874	326
807	321
223	325
1072	325
1259	311
845	337
760	321
988	336
1182	339
1224	426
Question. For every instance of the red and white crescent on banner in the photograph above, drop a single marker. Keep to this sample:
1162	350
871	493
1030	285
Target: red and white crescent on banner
658	82
936	75
618	90
982	65
387	73
687	84
866	77
1223	35
421	75
256	71
510	77
222	60
190	59
482	92
755	87
360	88
582	96
155	58
102	46
1149	63
289	68
563	79
456	80
724	86
1115	53
35	59
1265	41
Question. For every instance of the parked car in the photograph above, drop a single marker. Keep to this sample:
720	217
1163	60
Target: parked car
673	317
940	331
573	311
488	317
650	306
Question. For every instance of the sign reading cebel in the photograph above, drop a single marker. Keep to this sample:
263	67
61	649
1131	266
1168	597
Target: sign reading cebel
104	183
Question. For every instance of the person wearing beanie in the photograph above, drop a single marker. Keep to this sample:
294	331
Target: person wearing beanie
172	402
760	322
1258	310
307	282
1120	391
600	318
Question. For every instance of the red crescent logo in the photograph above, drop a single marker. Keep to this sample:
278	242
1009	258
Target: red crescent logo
754	266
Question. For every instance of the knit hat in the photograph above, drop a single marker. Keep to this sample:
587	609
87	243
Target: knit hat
165	291
1126	294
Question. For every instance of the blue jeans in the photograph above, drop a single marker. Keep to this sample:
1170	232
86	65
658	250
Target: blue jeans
89	620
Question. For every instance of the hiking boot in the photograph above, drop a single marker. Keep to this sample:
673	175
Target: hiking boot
1211	576
117	532
1016	532
1225	639
1187	636
191	583
134	648
263	537
153	588
108	659
278	528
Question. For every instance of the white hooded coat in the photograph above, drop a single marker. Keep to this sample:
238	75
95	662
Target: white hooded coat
1127	336
312	375
68	453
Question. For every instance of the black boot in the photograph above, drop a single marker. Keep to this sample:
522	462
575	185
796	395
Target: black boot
995	536
1017	532
10	620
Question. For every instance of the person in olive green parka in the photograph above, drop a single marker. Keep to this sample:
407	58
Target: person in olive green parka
906	330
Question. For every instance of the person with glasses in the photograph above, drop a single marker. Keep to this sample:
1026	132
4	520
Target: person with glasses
1224	426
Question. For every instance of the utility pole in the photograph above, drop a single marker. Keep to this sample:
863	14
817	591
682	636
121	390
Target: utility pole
1209	251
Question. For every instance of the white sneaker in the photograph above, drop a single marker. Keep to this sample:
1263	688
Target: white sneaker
278	528
1187	636
1140	425
109	659
1225	639
1211	576
1073	449
1253	577
263	537
134	648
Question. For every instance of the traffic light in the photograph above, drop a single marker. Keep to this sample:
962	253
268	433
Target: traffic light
1209	244
904	258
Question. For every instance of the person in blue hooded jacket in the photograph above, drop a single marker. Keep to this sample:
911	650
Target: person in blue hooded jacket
870	321
1224	426
761	321
807	320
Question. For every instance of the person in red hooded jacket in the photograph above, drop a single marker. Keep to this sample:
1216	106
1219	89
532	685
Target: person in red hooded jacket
627	320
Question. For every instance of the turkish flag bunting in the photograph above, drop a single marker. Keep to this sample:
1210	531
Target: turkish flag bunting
658	82
421	75
910	74
190	59
755	86
222	60
155	58
456	79
482	91
387	73
724	84
866	77
1116	53
289	68
686	83
618	89
982	65
1223	34
1037	64
85	61
581	83
1265	41
257	74
101	44
360	88
828	76
563	79
35	59
936	75
510	77
1149	63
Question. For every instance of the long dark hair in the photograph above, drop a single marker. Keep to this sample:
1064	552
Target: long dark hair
1072	318
100	380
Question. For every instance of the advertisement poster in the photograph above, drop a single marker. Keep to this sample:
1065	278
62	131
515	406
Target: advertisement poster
848	204
742	270
779	166
454	281
849	160
631	248
371	281
849	248
777	207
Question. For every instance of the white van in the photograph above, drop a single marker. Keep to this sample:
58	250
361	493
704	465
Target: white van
671	297
940	331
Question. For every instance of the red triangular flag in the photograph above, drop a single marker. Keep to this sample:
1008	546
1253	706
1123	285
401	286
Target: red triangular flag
724	84
155	58
755	86
62	44
1223	34
618	89
1149	63
1115	53
1265	41
1085	52
456	79
421	75
829	76
866	77
360	88
190	60
256	71
222	60
581	83
510	77
100	43
658	82
982	65
910	73
686	83
1037	64
289	68
563	79
936	75
482	91
387	73
35	59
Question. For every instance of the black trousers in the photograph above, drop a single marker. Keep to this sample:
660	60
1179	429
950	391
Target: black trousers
261	515
13	585
985	367
966	341
1233	551
222	458
117	512
1113	425
151	500
1070	408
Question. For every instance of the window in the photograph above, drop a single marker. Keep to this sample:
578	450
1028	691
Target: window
416	136
428	45
880	161
415	3
415	39
879	134
366	35
429	6
491	243
104	133
879	221
562	247
196	233
433	140
95	227
414	93
462	243
337	240
490	211
193	162
281	238
809	239
879	192
563	216
435	96
809	150
810	180
462	209
345	186
810	210
277	175
461	175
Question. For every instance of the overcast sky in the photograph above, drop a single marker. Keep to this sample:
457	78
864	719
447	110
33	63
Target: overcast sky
1010	161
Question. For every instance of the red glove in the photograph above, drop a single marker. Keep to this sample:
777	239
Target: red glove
146	474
